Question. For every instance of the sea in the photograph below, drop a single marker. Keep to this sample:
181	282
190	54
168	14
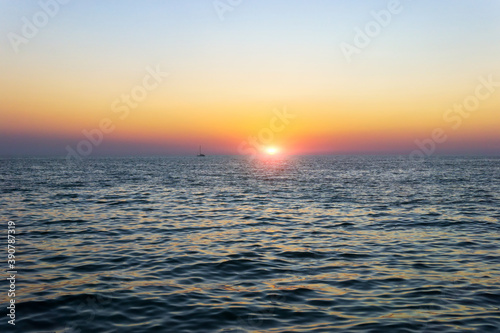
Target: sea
231	244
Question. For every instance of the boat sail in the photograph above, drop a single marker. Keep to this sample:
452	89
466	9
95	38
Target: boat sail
200	154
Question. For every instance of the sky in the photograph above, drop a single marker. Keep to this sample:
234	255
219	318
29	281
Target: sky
308	77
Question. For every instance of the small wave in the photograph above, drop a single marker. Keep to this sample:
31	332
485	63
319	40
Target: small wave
300	254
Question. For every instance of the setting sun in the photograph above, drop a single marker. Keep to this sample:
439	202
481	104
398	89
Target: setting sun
271	150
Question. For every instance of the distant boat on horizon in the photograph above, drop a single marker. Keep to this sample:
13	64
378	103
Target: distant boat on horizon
200	154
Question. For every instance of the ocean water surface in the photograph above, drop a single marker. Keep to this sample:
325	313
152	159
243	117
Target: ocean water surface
225	244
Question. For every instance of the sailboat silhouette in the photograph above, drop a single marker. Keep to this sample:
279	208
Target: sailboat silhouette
200	154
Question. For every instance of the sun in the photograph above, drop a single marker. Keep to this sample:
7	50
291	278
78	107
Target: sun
271	150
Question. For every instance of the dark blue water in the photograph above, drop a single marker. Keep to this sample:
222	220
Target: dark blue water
223	244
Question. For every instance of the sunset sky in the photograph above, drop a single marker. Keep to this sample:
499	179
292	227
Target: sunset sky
230	71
